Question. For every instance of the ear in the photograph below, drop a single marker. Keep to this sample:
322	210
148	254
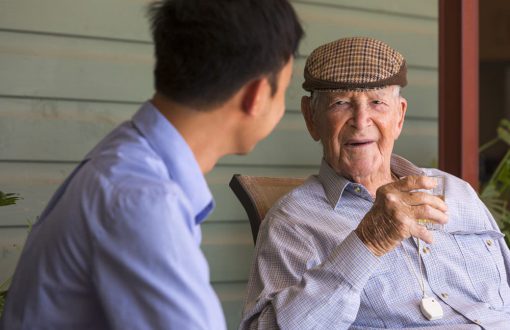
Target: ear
253	95
402	109
308	113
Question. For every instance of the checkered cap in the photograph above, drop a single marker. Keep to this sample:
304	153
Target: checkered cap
354	63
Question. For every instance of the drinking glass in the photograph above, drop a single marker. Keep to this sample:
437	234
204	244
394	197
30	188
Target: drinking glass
438	191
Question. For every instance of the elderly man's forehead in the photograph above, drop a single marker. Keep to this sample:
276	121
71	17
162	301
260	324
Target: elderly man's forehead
377	92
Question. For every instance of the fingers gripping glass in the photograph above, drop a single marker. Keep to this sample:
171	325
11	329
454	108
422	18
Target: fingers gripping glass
438	191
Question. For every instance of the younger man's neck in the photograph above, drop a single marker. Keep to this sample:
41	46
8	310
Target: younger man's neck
201	129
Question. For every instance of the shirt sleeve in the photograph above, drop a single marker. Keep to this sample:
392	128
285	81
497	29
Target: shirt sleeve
148	270
289	289
505	252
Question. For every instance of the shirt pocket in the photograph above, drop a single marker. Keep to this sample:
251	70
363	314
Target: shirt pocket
484	262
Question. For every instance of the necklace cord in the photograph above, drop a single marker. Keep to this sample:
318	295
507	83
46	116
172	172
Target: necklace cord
409	264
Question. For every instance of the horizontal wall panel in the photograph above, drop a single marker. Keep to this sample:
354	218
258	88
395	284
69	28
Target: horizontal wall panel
322	23
72	129
65	68
69	68
415	38
290	144
422	93
91	18
39	129
415	8
36	183
418	142
224	242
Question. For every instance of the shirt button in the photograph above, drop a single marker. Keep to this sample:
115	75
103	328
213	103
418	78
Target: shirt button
477	321
444	295
357	190
489	242
426	250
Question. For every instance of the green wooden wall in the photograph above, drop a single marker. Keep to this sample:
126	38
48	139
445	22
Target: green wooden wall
70	71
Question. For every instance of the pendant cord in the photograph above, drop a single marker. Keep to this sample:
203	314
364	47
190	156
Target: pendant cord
409	263
420	263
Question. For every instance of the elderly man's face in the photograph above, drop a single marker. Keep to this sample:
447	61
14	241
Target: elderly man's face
357	129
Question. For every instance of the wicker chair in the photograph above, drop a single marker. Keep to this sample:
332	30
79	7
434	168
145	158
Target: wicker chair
257	194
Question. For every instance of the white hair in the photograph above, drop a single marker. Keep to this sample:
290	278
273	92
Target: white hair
396	90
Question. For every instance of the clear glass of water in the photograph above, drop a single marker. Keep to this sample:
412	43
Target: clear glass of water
438	191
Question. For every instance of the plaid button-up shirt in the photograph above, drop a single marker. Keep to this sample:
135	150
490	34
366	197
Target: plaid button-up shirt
311	271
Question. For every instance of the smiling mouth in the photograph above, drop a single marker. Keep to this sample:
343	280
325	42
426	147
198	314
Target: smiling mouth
356	144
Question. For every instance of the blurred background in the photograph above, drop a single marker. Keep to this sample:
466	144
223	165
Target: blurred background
494	81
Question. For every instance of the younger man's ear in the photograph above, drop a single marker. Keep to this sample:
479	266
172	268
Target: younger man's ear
307	112
253	96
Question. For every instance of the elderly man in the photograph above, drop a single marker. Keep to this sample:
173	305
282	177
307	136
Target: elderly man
346	249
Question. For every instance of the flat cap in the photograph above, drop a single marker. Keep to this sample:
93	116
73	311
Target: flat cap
354	63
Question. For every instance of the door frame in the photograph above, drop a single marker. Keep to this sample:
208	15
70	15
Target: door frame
458	89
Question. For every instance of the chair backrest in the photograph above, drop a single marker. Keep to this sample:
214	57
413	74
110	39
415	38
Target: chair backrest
257	194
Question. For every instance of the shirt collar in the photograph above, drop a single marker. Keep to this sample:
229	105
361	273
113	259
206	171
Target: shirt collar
335	185
179	160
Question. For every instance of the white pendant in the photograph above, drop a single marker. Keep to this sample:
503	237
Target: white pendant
431	309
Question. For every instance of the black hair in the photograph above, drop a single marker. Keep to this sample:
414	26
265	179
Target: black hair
206	50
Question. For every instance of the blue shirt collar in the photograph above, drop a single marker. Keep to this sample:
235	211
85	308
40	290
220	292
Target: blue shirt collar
335	185
179	160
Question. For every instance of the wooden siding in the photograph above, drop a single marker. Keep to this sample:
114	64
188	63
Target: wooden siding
69	73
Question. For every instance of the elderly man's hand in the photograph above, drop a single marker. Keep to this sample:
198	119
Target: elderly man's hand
396	211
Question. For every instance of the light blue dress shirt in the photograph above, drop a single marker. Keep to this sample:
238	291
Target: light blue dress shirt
118	244
311	271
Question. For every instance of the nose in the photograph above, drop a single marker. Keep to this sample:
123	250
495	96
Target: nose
360	116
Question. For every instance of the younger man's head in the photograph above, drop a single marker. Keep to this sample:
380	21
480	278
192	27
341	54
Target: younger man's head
207	50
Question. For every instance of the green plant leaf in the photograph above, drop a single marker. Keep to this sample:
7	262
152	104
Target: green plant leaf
504	130
498	207
8	198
